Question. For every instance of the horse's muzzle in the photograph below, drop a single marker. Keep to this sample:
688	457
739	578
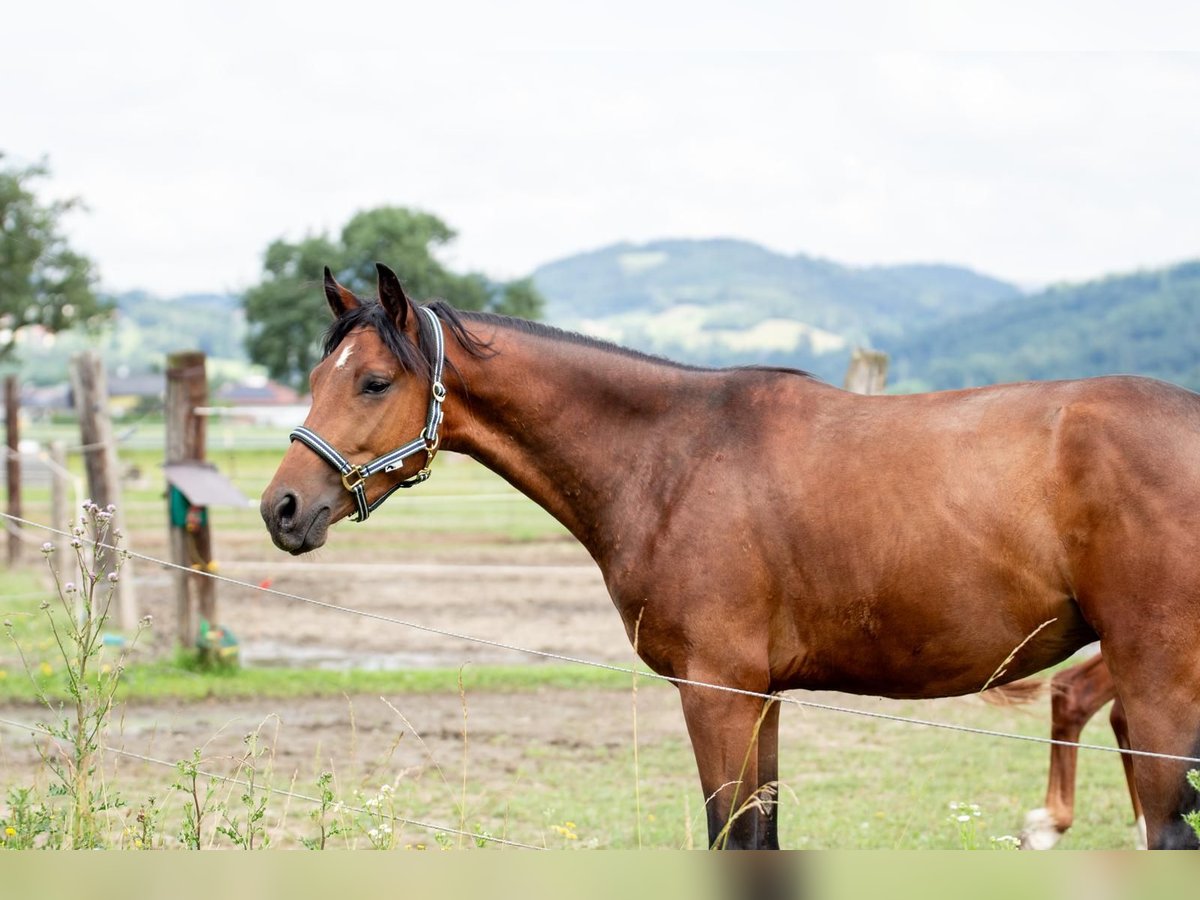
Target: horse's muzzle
294	527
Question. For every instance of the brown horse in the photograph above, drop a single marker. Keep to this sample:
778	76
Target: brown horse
772	532
1077	694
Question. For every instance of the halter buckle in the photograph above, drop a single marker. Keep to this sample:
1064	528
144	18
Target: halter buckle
355	472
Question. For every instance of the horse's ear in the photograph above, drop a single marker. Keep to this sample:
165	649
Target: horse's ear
341	300
392	296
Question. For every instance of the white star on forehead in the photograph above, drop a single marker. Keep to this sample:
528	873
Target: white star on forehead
345	355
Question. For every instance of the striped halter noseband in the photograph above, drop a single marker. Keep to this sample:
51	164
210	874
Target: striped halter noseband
354	477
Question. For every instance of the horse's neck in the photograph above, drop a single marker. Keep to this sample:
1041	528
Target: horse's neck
560	421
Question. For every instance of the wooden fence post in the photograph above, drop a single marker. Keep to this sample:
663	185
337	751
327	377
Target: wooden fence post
12	412
191	545
867	372
90	386
59	486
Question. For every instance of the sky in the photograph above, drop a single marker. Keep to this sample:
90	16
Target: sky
1034	142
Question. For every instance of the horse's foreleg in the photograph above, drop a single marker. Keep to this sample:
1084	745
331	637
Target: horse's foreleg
1159	683
1076	694
728	732
768	775
1120	727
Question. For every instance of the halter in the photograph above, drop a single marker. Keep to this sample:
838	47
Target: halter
354	477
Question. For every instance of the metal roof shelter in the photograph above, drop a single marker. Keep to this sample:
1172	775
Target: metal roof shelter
203	485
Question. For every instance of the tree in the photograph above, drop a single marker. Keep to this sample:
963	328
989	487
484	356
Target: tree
42	280
286	311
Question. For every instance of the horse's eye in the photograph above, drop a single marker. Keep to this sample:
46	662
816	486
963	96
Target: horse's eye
375	386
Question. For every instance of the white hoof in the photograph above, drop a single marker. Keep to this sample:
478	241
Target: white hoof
1142	843
1040	832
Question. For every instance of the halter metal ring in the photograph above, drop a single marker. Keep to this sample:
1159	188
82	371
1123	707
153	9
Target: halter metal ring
357	472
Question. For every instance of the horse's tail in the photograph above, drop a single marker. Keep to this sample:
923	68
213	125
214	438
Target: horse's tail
1015	694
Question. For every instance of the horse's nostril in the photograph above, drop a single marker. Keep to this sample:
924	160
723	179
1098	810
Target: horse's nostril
286	507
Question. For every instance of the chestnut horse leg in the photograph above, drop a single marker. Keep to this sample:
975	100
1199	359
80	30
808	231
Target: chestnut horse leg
1120	727
1158	679
1076	694
728	733
768	774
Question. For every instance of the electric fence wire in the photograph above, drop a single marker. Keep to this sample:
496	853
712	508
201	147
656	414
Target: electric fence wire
624	670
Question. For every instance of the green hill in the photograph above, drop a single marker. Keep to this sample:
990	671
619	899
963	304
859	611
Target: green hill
143	330
1145	323
725	301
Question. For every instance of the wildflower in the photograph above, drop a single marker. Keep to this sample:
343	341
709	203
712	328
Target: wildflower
47	548
69	587
146	621
76	543
110	509
962	818
10	831
373	834
371	802
112	577
3	674
45	668
385	789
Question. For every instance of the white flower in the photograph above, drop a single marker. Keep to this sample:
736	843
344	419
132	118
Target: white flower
47	547
962	818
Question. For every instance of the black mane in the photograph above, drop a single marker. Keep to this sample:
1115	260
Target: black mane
371	314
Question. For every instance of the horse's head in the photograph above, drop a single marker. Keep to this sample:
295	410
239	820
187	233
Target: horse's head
370	395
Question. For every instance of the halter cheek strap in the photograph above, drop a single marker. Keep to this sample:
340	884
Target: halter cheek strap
354	477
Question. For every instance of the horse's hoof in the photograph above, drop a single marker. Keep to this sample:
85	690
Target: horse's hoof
1040	832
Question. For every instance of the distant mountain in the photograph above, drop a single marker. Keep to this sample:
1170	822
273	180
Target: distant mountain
726	301
1145	323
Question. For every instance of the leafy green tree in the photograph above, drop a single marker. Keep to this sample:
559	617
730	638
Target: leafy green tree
286	311
42	280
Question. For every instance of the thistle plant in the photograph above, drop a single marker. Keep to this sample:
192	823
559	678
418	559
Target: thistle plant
77	725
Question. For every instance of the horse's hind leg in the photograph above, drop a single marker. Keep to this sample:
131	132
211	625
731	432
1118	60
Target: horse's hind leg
1076	694
1120	727
727	731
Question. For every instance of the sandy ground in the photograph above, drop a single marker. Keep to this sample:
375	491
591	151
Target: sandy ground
545	597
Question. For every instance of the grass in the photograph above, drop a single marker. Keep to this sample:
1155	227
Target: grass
168	681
